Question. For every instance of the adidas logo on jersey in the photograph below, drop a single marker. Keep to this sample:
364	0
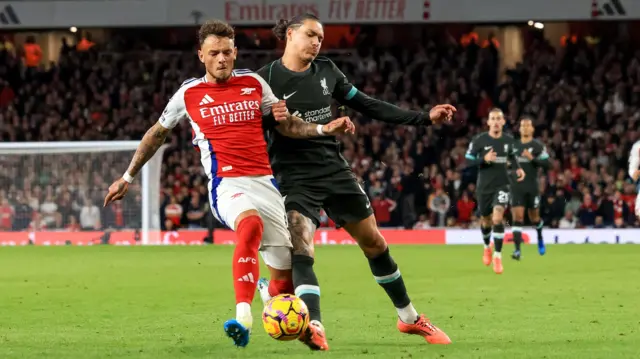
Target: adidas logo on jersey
206	100
246	278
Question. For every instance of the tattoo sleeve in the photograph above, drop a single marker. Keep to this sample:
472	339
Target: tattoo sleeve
301	229
152	140
295	127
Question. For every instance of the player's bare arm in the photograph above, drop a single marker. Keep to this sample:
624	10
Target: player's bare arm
149	145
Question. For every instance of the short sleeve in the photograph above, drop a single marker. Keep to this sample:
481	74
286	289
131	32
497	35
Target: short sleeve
268	98
175	111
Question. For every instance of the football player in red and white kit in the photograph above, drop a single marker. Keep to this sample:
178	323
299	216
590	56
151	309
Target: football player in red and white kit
225	109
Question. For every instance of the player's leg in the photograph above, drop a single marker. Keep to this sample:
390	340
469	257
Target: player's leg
278	262
517	211
302	213
486	225
486	209
350	208
240	214
501	201
536	221
276	245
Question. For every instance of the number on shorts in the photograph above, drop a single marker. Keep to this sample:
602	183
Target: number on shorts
503	197
536	201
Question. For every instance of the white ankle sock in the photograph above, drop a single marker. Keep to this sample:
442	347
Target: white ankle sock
408	314
497	255
243	314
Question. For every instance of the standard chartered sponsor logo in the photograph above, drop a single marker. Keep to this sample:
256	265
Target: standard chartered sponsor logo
317	115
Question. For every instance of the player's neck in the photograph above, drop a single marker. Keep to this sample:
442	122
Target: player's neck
526	139
495	135
292	62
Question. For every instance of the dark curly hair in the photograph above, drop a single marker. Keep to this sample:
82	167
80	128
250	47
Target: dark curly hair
280	30
216	28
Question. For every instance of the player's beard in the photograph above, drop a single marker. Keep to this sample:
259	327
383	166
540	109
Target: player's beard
220	76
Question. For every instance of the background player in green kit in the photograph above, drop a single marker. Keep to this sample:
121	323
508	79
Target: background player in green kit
494	153
526	194
312	174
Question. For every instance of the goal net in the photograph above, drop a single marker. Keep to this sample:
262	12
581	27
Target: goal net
53	193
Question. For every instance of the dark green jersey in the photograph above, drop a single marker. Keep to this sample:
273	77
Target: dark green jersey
309	95
497	174
530	167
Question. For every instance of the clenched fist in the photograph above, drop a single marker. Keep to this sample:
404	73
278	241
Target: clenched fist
280	111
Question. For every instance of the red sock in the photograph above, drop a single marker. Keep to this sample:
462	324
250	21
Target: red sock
280	286
246	269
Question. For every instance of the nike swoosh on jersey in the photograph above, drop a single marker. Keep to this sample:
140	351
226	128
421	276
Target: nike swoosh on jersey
289	95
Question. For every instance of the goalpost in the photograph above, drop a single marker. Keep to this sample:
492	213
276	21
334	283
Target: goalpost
64	182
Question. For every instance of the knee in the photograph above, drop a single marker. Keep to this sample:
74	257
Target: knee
496	219
250	229
486	222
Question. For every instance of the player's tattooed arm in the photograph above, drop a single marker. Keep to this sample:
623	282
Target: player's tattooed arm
301	229
295	127
152	140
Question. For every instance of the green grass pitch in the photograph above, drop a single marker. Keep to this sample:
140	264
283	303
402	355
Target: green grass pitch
579	301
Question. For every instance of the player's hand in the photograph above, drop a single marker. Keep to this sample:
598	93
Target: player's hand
441	113
490	156
116	191
338	126
636	175
527	154
280	111
521	174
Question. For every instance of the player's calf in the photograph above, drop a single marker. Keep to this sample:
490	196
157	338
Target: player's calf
517	239
305	282
246	269
384	269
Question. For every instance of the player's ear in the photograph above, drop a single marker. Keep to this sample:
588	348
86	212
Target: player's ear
289	33
201	55
235	53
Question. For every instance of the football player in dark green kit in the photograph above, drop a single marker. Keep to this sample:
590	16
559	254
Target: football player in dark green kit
312	174
526	194
494	153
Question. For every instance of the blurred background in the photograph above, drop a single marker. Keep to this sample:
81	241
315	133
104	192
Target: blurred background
102	70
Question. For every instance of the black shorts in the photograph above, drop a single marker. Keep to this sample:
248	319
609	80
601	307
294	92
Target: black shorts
340	195
529	199
487	200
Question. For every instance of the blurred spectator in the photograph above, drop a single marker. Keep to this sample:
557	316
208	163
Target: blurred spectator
173	214
585	99
569	221
195	212
382	208
6	215
439	203
90	216
422	223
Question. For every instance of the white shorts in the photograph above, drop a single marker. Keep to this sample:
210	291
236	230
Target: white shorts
231	196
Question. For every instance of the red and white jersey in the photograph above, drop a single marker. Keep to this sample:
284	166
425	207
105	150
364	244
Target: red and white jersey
227	122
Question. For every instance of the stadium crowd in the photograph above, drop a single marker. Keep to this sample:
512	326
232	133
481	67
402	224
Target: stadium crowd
585	100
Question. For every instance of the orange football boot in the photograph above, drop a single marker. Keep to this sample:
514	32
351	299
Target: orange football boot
314	337
497	265
486	256
424	328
